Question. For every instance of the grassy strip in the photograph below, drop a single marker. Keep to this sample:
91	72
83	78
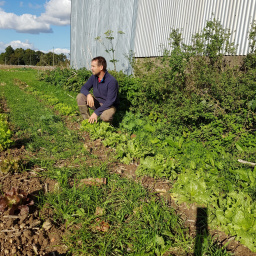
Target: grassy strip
138	222
42	130
61	101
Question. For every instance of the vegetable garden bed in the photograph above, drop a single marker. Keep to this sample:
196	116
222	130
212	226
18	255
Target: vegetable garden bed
49	166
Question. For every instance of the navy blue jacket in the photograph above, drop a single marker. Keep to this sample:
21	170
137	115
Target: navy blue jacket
106	92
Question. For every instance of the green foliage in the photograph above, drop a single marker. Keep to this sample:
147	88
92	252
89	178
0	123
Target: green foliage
119	217
68	79
43	130
5	133
252	37
11	165
215	41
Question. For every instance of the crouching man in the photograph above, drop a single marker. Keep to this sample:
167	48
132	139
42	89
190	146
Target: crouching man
104	100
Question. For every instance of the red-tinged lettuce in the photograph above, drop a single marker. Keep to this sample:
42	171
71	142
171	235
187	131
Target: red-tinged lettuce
16	201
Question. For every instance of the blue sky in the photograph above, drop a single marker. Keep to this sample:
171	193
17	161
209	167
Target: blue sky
38	25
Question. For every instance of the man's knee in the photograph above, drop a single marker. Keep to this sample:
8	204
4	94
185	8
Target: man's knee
81	99
108	115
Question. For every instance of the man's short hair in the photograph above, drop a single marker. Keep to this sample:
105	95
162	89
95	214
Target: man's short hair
101	62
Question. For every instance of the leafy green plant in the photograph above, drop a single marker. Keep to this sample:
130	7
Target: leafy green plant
5	133
12	164
110	48
68	79
216	41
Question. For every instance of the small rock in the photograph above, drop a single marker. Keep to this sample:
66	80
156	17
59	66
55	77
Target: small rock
56	187
35	223
47	225
120	171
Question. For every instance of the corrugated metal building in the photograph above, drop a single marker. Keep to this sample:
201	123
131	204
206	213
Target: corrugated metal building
147	25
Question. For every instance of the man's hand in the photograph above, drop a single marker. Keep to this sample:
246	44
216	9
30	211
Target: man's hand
93	118
90	101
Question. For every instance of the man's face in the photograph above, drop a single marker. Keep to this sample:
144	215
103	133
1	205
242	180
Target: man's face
95	68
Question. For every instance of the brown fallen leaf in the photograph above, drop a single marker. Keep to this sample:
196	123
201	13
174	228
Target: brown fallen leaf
100	225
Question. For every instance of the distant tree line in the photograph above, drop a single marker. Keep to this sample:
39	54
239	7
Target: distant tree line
20	56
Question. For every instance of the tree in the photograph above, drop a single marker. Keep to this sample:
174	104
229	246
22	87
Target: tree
8	54
18	57
30	57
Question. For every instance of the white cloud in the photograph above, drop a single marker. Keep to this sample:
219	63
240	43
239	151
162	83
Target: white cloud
59	51
17	44
57	12
2	3
26	23
24	45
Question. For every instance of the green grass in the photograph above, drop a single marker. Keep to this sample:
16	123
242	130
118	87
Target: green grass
139	222
44	131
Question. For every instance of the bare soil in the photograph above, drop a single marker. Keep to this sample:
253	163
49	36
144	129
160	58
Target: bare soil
33	233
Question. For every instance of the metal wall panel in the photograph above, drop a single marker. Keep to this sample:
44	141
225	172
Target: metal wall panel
92	18
190	17
147	25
